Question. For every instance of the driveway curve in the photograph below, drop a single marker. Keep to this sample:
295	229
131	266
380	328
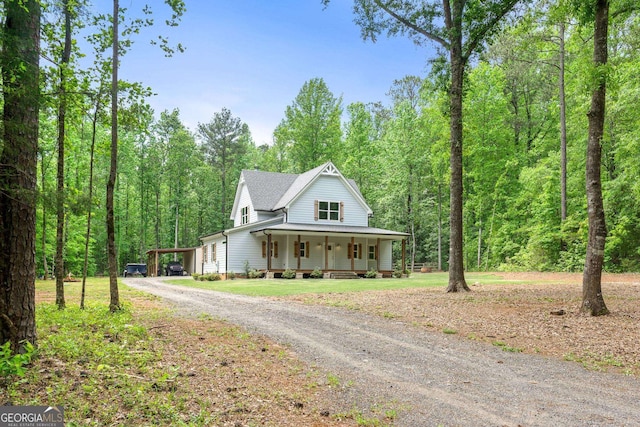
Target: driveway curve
437	379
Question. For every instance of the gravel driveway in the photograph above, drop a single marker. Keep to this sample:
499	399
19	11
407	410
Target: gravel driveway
435	379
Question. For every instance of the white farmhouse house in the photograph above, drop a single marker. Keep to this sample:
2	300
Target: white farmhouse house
317	219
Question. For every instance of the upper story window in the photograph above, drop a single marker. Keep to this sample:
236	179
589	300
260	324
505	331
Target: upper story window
244	215
329	211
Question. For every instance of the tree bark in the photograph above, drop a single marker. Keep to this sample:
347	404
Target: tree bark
563	131
114	304
60	193
94	122
592	299
18	170
45	267
439	226
456	261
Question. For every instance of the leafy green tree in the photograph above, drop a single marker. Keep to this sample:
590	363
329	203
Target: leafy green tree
181	148
311	127
18	171
621	149
108	35
99	100
460	27
361	148
224	142
487	154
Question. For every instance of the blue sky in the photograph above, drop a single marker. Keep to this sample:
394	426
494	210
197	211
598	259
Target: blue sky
253	56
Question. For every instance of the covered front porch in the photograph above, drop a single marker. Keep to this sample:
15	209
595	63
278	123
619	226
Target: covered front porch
330	249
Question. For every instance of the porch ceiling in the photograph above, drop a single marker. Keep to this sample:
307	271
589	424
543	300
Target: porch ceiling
331	230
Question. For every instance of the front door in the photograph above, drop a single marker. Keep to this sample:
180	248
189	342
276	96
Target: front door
331	258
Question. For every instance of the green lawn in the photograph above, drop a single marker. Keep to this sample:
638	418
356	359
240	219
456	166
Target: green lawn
284	287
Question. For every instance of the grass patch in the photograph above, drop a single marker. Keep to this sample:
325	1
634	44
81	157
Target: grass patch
144	366
283	287
506	347
595	362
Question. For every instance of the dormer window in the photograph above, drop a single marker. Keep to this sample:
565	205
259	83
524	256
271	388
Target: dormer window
244	215
329	210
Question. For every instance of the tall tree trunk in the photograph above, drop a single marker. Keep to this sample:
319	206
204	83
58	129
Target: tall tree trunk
563	132
111	183
456	261
157	221
439	226
45	267
223	203
175	233
60	193
592	299
18	171
410	222
479	254
94	123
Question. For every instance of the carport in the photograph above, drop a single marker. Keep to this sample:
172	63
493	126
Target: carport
188	259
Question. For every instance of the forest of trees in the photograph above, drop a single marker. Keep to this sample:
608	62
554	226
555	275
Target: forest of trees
528	90
543	93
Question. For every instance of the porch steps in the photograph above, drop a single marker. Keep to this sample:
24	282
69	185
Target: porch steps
344	275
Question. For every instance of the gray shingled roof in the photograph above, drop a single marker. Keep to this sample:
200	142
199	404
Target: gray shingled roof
298	185
270	191
266	188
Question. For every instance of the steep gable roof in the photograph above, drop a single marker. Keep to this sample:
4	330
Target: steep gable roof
270	191
266	188
298	185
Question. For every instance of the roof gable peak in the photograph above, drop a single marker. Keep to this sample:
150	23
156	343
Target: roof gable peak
330	169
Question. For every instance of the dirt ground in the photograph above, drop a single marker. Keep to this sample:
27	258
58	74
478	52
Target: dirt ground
515	317
518	317
250	380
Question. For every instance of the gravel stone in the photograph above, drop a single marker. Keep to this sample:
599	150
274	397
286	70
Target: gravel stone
434	379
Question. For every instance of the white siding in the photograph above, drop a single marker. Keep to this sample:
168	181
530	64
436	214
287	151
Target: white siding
316	253
386	254
243	246
198	260
210	265
330	189
263	216
243	202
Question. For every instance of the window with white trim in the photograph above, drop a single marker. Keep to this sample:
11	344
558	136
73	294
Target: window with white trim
244	215
372	252
329	210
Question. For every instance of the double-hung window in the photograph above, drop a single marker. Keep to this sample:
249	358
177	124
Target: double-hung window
372	252
244	214
304	250
329	210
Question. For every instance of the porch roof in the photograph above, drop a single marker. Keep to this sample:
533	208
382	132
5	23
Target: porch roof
330	230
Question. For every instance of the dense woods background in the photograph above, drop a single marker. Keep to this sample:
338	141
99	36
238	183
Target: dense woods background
176	184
